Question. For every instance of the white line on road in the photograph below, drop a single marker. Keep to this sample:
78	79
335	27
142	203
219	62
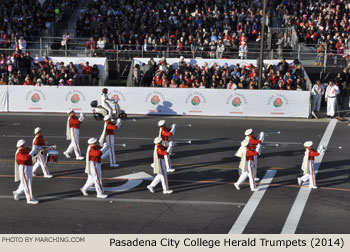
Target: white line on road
252	204
297	209
147	201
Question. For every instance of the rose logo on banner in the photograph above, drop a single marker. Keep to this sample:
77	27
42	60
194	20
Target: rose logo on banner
278	102
35	98
116	97
155	100
236	102
195	101
75	98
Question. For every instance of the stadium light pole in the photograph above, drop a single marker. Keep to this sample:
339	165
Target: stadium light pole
261	60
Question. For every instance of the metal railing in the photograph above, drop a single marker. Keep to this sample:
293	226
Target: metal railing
76	47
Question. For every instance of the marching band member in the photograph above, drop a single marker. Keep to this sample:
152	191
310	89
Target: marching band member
308	165
94	156
108	135
72	133
39	147
23	172
331	98
255	144
165	133
247	166
160	152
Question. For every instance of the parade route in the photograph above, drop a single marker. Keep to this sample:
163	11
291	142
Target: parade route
204	198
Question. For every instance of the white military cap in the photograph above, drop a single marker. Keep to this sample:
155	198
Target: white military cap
157	140
107	117
161	123
37	130
248	132
20	143
70	111
92	140
244	143
308	144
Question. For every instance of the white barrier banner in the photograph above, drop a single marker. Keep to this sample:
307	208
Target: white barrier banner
164	101
3	99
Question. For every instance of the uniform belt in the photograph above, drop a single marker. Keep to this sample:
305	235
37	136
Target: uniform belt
331	96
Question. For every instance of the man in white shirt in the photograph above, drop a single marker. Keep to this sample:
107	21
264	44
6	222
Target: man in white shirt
331	98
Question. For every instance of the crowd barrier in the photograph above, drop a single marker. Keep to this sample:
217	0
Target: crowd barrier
160	101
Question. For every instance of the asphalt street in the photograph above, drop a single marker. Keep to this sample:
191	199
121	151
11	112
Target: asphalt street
204	198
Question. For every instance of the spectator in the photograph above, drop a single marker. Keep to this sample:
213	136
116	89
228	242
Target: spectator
243	50
65	41
90	47
95	75
22	44
87	71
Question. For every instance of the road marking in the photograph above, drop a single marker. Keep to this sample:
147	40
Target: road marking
297	209
177	202
252	204
133	180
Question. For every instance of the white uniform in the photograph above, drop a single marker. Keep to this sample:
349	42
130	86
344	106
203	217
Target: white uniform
105	101
73	135
247	171
331	95
308	169
93	169
110	140
166	144
23	173
317	92
40	159
159	168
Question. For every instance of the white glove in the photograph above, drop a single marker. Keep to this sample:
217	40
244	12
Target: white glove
258	149
170	147
81	118
105	145
261	136
119	122
173	127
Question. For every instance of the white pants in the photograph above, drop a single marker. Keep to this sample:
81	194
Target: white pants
161	177
255	165
94	178
331	103
310	176
41	162
110	141
249	173
74	144
108	107
25	185
316	103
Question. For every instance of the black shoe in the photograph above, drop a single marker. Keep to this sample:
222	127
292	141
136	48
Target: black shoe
328	116
332	117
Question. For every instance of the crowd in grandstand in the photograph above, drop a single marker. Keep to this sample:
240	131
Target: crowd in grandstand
22	69
324	24
282	76
205	28
28	18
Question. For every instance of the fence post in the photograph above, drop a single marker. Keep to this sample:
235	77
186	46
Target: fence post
299	49
41	47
